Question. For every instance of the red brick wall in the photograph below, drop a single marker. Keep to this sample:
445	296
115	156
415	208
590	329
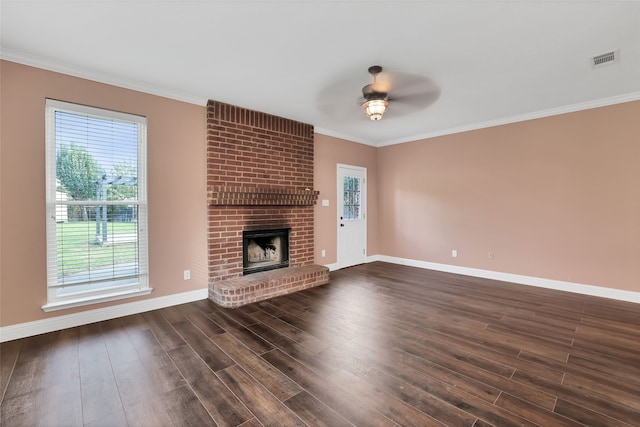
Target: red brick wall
247	150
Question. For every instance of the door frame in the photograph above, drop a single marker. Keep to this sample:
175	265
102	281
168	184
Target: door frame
340	189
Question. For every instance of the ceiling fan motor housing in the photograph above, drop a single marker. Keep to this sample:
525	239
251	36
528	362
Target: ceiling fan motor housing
375	90
375	95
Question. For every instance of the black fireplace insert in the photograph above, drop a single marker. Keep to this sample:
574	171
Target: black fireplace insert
264	250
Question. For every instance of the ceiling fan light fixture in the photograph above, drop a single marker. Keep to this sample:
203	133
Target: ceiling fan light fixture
375	108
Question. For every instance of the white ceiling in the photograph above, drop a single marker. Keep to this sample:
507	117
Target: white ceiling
484	62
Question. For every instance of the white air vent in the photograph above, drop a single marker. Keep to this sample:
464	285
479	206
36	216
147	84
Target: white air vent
605	59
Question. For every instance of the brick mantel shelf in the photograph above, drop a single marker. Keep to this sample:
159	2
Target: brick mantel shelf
256	196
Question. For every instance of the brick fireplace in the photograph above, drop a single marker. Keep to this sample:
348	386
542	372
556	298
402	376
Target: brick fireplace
259	177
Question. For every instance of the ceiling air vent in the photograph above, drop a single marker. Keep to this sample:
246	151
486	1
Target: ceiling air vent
606	58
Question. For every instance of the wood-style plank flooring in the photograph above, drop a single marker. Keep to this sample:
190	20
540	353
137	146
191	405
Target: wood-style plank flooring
381	345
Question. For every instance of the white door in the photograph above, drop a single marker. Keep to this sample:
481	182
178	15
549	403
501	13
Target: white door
352	222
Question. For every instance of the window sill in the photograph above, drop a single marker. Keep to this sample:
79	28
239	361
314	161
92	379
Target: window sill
79	302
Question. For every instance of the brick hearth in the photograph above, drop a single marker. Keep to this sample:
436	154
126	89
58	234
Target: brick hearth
268	284
259	176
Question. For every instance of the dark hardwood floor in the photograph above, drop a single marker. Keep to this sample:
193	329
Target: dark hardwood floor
381	345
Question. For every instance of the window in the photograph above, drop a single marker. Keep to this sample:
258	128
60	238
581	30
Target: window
351	201
96	205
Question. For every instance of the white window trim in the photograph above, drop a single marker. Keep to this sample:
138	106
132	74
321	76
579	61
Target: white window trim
141	287
78	302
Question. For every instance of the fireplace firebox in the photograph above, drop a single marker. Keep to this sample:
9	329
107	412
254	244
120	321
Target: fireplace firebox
264	250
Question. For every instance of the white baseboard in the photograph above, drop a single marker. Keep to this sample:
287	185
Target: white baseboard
597	291
36	327
332	267
27	329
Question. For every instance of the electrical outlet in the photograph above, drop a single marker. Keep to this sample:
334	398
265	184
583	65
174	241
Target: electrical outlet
187	274
454	253
324	253
490	255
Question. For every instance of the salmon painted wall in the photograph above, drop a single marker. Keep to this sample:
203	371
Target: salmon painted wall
176	186
328	153
555	198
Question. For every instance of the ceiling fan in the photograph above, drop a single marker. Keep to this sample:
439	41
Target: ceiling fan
391	93
406	91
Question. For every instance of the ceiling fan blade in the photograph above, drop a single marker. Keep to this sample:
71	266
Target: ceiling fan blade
337	103
403	84
418	100
412	91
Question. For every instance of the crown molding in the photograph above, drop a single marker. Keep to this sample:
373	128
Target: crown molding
572	108
94	75
329	132
97	76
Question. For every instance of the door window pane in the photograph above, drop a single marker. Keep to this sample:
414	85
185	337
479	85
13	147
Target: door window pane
351	198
